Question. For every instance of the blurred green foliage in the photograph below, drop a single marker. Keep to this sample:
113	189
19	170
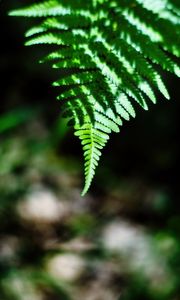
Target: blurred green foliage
56	245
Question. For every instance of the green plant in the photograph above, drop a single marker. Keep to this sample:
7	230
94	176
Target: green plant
111	50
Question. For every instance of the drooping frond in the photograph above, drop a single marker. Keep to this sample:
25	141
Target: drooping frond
93	141
110	50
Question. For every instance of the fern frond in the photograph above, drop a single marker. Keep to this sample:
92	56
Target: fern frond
111	50
93	141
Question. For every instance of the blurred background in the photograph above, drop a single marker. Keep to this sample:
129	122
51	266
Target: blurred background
121	241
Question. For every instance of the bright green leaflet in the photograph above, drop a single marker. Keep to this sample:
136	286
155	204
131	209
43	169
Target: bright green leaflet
112	49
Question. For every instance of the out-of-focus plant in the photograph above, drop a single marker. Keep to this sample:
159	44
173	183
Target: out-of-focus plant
56	245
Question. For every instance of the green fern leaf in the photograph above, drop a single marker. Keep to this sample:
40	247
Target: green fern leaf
93	140
111	50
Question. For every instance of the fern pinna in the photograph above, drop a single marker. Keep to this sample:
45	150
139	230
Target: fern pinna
111	49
